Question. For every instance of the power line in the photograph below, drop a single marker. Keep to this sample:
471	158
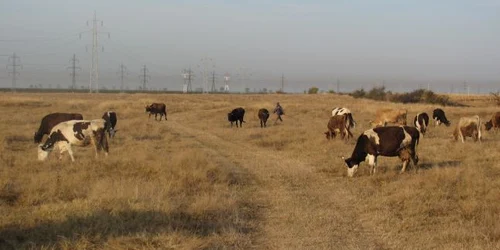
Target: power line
144	77
73	68
13	69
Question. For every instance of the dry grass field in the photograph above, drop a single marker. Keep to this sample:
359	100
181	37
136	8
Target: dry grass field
192	182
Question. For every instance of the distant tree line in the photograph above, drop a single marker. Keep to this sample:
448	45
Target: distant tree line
416	96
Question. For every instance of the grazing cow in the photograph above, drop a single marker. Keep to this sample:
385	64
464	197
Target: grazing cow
439	117
342	111
157	108
75	132
50	120
263	116
421	121
468	126
110	118
338	124
236	115
494	122
389	141
384	116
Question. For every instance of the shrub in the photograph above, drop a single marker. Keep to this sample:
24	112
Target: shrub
313	90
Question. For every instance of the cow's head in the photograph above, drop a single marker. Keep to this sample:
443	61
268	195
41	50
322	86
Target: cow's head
43	152
488	125
352	166
230	116
149	108
112	132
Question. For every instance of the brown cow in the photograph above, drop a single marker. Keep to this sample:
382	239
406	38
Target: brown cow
339	124
385	116
157	108
51	120
493	123
468	126
263	116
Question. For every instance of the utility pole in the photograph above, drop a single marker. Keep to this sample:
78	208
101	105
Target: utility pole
122	72
282	90
145	77
94	64
213	78
14	62
73	74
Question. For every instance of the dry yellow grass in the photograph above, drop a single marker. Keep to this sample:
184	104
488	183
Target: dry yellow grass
194	183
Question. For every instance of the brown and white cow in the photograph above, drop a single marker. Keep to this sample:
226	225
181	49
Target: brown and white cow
385	116
75	132
157	108
338	124
468	127
50	120
345	111
421	122
494	122
389	141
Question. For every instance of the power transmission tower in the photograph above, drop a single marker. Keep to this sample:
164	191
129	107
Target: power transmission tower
14	62
94	65
123	73
188	76
145	77
73	68
226	82
213	78
206	65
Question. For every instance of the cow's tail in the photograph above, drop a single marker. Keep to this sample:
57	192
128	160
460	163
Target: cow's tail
352	123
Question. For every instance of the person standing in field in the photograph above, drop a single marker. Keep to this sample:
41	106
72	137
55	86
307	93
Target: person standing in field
279	112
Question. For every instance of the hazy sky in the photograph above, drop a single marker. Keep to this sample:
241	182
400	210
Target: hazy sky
404	44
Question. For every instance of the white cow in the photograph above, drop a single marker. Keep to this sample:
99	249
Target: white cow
75	132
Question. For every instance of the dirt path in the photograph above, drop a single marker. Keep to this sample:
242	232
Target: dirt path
301	209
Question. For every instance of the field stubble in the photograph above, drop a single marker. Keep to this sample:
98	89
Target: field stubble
194	183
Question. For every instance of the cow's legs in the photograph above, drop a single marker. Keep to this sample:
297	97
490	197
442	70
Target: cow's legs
405	163
165	113
372	162
261	124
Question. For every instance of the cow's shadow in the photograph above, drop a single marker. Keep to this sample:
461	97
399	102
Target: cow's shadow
104	224
441	164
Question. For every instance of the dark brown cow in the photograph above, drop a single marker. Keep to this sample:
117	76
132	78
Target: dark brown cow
263	116
51	120
494	122
236	115
157	108
390	141
339	124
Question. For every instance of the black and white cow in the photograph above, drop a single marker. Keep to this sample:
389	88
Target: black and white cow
236	115
390	141
345	111
111	119
75	132
439	117
421	121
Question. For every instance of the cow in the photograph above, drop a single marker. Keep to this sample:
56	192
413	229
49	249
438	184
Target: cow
338	124
263	116
421	121
468	126
388	141
385	116
157	108
494	122
439	117
110	118
342	111
51	120
75	132
236	115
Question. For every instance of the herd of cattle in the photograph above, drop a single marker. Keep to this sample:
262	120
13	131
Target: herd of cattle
400	140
